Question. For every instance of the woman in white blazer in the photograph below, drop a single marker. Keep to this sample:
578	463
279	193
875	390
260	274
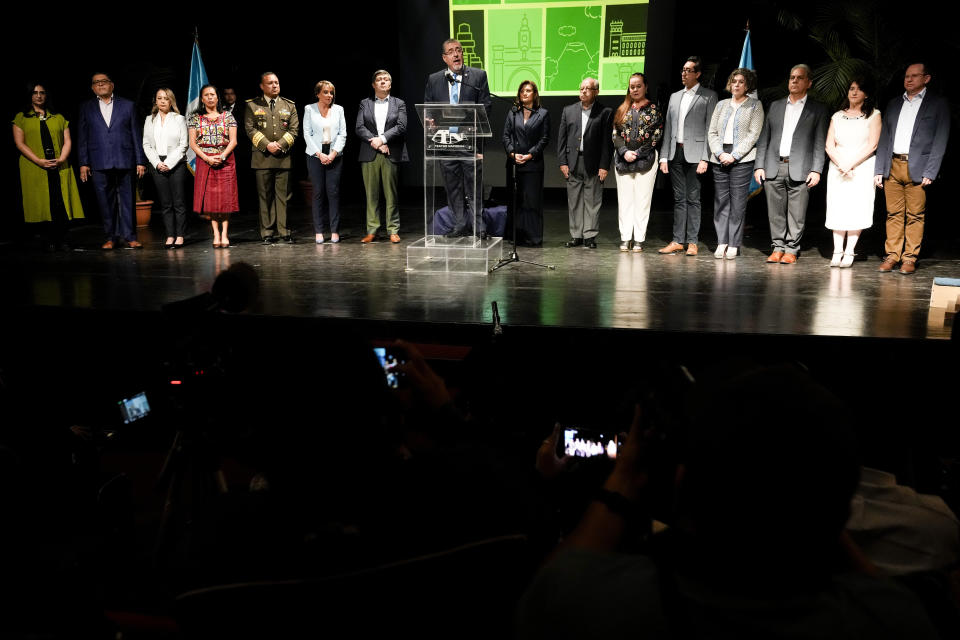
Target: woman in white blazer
325	133
165	145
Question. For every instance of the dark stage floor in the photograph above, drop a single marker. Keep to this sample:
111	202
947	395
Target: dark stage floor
600	288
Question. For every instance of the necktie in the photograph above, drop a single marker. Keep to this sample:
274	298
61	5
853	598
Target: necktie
272	104
455	92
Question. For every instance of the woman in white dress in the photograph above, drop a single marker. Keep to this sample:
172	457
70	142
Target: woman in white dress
851	145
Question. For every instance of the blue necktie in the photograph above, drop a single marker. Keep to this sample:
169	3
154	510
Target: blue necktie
455	92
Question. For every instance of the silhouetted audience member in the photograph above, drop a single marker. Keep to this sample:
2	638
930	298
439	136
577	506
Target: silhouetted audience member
756	547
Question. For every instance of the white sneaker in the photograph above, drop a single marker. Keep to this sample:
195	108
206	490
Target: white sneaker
731	253
718	254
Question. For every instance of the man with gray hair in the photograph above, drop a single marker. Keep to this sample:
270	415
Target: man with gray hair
791	152
584	149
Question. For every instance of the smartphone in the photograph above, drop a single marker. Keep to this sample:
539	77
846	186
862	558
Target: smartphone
582	442
134	408
390	361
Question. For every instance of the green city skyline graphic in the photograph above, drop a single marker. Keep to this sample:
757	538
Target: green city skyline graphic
555	43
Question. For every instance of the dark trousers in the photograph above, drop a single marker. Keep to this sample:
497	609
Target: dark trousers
273	187
732	189
326	194
170	193
465	203
114	189
527	196
686	199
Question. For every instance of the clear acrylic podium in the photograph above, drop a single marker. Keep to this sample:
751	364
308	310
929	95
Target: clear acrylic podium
451	133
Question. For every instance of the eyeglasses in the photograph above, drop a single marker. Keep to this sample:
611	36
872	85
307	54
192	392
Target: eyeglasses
450	52
96	82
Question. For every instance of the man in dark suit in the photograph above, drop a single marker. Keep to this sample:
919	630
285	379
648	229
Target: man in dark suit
110	150
913	139
686	154
790	155
584	149
459	84
382	124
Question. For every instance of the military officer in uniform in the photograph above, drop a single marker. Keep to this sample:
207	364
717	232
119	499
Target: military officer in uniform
272	125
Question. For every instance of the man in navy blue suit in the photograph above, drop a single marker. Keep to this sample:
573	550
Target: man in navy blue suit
460	84
109	147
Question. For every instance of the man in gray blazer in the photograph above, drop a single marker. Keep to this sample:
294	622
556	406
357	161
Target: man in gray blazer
790	155
585	148
685	154
382	124
912	142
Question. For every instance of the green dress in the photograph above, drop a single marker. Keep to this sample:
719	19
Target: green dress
33	179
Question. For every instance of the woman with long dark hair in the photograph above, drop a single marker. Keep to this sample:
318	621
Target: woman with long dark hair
526	134
852	145
165	142
50	195
637	129
213	137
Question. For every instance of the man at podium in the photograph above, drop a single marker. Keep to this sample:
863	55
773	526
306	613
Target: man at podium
459	84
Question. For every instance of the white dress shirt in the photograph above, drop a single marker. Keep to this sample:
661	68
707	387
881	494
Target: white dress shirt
380	108
685	101
584	119
908	117
168	138
106	109
791	116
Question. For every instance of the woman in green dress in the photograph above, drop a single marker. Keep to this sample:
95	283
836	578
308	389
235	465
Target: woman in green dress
49	187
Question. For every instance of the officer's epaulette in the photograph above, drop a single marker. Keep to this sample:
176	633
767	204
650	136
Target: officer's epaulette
250	99
288	100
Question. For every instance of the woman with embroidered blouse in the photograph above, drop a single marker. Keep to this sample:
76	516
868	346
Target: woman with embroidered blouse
638	128
213	137
734	130
325	133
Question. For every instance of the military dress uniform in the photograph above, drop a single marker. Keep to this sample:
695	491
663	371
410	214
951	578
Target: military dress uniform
272	120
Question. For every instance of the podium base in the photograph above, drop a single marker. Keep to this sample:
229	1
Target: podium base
437	254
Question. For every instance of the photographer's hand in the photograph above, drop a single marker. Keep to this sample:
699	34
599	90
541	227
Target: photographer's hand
548	464
603	526
428	385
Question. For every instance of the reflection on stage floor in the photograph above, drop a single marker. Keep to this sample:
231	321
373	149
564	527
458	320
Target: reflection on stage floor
600	288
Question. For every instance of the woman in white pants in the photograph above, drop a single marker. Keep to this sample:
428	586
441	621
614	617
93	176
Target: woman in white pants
637	129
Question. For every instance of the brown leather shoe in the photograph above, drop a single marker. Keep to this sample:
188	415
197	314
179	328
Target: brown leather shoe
367	239
107	245
908	267
775	257
887	265
673	247
133	244
691	249
788	258
394	238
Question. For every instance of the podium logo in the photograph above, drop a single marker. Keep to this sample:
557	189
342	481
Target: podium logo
445	136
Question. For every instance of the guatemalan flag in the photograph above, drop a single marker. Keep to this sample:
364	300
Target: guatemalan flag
746	62
198	78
